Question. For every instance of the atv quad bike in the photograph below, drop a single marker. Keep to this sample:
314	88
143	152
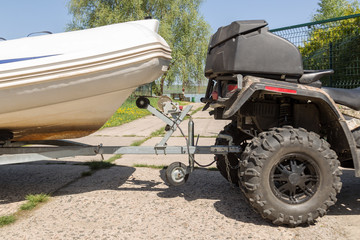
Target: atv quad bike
292	134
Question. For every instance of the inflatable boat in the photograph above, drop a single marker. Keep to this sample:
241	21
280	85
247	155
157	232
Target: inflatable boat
67	85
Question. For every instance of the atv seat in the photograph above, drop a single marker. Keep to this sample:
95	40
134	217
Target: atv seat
311	76
346	97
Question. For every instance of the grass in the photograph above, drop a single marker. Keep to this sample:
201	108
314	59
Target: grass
196	110
129	112
157	133
34	200
150	166
114	158
6	220
139	142
97	165
193	112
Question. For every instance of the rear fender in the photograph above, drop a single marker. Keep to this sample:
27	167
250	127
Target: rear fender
252	85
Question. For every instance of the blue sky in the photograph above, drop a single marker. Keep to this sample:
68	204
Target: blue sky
21	17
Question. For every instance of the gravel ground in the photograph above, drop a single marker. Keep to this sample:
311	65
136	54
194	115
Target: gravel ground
124	202
134	203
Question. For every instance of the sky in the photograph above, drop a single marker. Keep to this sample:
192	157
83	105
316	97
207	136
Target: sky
21	17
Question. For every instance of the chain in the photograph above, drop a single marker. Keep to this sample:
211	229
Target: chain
228	168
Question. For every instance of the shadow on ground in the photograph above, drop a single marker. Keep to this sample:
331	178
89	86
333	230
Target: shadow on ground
16	181
229	200
348	202
208	185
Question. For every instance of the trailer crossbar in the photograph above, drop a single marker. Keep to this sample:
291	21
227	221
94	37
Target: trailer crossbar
11	155
21	152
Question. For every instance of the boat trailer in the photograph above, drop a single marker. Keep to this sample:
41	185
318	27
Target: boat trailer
171	113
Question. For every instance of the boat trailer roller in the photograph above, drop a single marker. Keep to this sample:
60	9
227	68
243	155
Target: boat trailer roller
172	114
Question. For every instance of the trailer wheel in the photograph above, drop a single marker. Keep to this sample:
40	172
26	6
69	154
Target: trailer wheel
233	158
176	174
290	176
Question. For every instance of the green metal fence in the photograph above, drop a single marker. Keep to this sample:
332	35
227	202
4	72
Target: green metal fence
329	44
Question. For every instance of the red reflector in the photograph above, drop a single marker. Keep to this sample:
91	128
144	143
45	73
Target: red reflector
232	87
181	108
215	95
282	90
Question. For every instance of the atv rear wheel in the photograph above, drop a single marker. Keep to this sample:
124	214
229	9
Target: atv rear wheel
290	176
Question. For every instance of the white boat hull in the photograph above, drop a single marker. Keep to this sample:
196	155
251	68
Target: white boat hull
62	97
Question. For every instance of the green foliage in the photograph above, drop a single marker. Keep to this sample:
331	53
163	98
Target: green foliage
150	166
335	8
6	220
156	133
114	158
156	90
129	112
97	165
181	26
335	44
34	200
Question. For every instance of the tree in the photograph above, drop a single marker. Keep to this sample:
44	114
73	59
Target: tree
335	8
335	44
181	25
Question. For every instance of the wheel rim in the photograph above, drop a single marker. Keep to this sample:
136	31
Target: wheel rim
178	174
295	178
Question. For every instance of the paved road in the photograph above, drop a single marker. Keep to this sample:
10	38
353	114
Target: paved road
125	202
205	126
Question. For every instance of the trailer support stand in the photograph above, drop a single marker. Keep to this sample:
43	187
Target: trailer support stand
191	143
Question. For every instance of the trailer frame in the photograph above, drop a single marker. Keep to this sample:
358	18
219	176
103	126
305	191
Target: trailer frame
30	151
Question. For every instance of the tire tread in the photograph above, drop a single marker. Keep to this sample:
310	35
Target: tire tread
254	158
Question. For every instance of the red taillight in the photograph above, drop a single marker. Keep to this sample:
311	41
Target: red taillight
281	90
181	108
215	95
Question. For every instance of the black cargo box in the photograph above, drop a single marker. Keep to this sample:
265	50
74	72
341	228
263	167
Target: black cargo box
247	47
